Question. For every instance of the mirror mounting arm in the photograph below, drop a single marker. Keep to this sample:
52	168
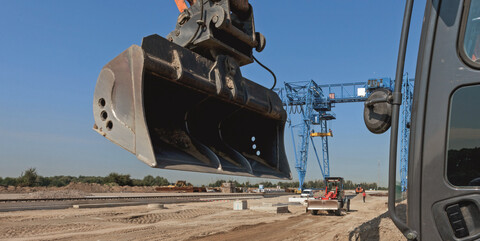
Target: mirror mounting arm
396	98
389	99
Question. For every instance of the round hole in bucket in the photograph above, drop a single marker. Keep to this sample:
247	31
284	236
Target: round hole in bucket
109	125
102	102
104	115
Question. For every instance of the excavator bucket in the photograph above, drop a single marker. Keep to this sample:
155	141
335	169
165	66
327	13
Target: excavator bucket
175	109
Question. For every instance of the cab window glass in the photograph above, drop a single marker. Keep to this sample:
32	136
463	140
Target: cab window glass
471	41
463	146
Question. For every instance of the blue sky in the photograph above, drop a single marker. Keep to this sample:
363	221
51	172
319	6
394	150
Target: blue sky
53	51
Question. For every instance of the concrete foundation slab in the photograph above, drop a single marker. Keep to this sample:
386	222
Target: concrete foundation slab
155	206
271	209
105	205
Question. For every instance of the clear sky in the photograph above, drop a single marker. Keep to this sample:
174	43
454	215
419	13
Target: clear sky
52	52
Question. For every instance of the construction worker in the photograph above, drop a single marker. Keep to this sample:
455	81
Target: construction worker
364	195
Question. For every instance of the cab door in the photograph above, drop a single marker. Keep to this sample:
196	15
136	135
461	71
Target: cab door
444	174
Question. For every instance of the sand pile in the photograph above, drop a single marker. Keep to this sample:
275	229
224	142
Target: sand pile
81	187
58	194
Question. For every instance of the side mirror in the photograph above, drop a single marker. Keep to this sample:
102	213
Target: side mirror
377	113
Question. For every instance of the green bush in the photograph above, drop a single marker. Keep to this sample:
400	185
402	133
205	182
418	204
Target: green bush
30	178
120	179
9	181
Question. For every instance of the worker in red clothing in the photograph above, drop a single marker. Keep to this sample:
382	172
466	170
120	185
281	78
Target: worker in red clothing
364	195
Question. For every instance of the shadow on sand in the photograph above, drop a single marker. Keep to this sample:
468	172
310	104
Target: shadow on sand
370	230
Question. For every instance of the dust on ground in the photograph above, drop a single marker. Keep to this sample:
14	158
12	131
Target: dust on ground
202	221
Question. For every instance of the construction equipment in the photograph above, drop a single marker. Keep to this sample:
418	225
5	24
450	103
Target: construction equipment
182	103
174	104
359	189
180	183
313	104
334	199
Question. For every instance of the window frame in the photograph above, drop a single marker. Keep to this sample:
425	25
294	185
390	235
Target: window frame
461	39
447	139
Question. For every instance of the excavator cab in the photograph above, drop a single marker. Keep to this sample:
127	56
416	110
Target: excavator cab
333	188
182	103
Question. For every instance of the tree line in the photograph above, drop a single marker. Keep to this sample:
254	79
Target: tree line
316	184
30	178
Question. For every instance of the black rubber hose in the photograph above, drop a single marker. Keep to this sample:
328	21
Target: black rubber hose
271	72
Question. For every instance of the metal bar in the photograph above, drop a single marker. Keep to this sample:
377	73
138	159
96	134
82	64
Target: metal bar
326	160
407	232
318	159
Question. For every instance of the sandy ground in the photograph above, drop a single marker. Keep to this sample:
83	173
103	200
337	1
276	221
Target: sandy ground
201	221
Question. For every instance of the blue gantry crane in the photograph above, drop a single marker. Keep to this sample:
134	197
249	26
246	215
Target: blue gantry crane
406	110
313	104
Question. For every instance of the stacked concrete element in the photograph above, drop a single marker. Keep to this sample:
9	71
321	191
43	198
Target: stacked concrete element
240	205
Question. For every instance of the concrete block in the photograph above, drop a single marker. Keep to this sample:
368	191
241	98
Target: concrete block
271	209
240	205
301	200
105	205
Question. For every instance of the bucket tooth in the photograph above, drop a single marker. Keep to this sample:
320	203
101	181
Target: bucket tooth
175	109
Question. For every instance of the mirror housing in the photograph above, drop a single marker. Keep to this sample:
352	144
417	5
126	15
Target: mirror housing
377	113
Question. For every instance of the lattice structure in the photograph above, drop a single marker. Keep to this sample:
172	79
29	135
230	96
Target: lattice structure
406	113
313	104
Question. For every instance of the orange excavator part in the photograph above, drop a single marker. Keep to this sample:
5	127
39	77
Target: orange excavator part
330	194
182	5
359	189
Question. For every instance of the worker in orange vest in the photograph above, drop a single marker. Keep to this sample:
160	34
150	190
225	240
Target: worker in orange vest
364	195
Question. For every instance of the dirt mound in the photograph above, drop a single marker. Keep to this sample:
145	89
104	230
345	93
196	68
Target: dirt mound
58	194
82	187
86	187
